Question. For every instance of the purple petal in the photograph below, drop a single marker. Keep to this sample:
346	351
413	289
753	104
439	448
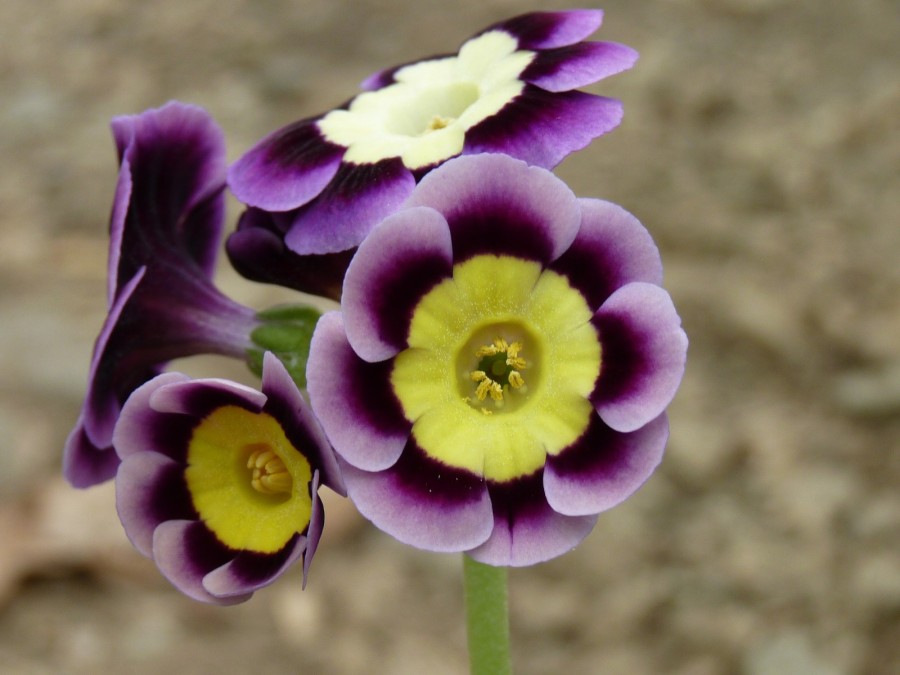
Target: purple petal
159	315
548	30
141	428
150	490
84	464
359	197
287	168
603	467
248	572
542	128
300	426
498	205
316	524
578	65
176	158
353	399
612	249
258	252
117	219
185	552
423	503
526	530
106	391
198	398
643	355
398	263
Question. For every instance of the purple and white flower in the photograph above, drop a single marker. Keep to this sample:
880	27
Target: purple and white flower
501	366
165	230
510	89
219	482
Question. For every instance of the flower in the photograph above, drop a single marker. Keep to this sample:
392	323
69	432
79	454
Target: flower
257	251
165	229
510	89
219	482
499	371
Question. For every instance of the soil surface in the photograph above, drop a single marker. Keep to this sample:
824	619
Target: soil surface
760	146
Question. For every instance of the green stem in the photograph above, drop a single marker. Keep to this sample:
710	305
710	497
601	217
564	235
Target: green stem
487	618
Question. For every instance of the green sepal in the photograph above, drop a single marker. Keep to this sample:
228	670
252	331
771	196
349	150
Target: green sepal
286	331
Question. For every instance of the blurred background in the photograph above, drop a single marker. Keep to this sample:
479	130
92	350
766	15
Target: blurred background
760	146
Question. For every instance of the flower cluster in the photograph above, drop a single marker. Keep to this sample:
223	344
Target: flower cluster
499	369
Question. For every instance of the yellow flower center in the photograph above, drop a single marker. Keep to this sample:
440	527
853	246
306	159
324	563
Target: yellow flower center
249	484
501	360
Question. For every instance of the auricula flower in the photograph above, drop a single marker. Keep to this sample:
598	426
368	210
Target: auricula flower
219	482
165	230
499	371
510	89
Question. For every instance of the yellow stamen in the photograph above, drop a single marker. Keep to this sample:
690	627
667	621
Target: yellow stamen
516	362
481	391
269	474
493	374
496	391
439	122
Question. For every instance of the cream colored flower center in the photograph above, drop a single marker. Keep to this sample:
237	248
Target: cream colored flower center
423	116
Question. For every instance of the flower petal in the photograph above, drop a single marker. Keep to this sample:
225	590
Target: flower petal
141	429
185	552
578	65
85	464
359	197
612	249
404	257
257	251
423	503
287	168
643	354
248	572
353	399
526	530
542	127
286	404
603	467
198	398
547	30
150	490
316	523
176	157
108	383
498	205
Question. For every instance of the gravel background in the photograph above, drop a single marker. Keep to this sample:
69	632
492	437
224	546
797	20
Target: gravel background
761	147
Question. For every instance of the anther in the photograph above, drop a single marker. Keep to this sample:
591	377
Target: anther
269	474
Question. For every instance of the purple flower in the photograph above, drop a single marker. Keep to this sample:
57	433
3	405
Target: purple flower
165	230
510	89
500	369
218	482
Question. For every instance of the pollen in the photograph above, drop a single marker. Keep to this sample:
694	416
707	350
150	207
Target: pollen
439	122
269	475
499	370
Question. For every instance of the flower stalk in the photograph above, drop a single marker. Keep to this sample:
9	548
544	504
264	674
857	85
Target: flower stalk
487	617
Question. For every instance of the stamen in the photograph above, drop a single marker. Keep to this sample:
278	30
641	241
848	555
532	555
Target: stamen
269	474
439	122
499	368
